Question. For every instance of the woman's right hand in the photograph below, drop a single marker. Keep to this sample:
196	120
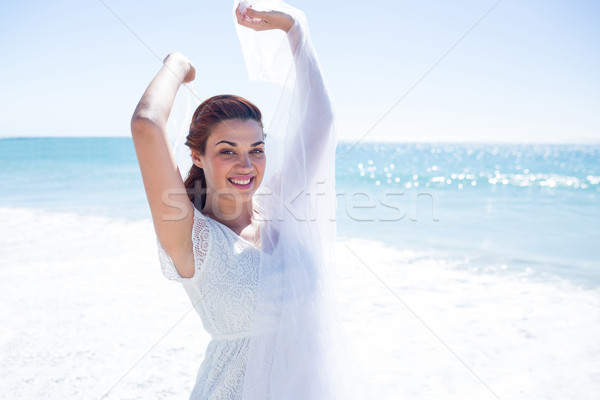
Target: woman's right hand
181	66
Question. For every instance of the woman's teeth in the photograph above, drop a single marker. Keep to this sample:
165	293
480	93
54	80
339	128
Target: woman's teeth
240	182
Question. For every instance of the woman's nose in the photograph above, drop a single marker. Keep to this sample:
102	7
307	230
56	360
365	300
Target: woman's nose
244	161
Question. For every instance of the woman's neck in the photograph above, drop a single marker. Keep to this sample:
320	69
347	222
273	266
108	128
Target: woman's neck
233	214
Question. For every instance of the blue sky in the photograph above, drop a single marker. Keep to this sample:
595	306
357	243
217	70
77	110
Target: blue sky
528	72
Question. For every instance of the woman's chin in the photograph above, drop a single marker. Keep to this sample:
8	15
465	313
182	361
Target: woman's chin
240	195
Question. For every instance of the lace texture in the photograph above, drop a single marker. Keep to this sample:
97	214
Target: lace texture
200	241
223	292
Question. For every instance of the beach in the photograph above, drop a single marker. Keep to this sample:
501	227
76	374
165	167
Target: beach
479	304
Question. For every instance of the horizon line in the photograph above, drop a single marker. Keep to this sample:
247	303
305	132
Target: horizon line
582	141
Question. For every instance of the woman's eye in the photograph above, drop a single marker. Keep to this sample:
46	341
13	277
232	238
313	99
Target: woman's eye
257	151
226	152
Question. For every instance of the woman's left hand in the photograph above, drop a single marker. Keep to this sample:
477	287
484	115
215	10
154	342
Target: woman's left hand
264	20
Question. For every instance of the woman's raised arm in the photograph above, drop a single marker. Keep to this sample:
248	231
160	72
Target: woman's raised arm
311	134
172	212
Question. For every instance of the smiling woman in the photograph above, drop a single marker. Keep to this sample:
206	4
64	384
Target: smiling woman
253	256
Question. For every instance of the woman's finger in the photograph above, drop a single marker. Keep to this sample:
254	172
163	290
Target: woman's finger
251	12
243	19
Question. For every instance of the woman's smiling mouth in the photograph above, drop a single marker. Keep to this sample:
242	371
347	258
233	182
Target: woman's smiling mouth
241	182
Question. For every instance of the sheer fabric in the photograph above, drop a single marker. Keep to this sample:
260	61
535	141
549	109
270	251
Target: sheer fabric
297	359
278	336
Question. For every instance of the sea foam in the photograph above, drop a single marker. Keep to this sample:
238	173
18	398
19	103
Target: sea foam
86	313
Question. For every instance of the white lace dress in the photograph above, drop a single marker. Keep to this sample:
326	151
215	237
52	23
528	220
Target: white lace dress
223	292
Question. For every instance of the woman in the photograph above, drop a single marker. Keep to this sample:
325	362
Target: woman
252	256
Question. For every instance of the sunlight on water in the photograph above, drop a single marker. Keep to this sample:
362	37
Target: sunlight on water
471	165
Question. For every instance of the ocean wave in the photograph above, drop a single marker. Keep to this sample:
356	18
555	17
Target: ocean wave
441	327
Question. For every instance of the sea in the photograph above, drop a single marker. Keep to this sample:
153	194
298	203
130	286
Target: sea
486	255
509	207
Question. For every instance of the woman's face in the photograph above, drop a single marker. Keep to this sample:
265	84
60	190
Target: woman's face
234	161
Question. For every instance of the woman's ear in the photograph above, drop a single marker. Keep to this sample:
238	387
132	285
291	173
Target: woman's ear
196	160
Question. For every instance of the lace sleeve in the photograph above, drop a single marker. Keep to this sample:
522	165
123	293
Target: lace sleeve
201	244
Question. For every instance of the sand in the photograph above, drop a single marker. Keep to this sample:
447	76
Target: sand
85	313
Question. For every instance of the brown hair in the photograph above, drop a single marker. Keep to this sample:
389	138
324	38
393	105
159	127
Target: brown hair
208	114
